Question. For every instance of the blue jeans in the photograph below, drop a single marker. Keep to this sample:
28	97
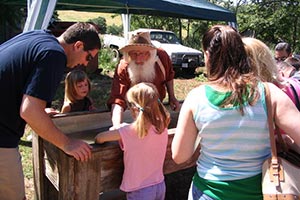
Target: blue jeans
196	194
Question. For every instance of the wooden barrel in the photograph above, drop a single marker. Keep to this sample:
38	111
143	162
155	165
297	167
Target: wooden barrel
59	176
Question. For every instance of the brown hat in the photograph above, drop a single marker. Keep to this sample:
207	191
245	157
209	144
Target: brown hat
139	41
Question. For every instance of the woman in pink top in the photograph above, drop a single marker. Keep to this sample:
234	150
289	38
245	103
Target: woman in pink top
144	143
268	70
261	59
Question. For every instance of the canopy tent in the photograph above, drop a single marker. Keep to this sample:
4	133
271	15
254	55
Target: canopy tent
186	9
40	10
39	14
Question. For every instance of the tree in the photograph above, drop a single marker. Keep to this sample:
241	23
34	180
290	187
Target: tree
156	22
271	21
189	31
101	22
11	20
115	30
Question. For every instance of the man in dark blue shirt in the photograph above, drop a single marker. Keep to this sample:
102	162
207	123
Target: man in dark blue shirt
31	68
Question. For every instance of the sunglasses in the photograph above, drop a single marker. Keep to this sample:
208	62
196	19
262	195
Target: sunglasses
89	56
280	59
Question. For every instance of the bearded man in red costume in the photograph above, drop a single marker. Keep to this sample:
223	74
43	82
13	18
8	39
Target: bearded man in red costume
141	62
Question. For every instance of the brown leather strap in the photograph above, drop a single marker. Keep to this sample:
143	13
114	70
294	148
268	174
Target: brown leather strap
281	197
276	174
270	120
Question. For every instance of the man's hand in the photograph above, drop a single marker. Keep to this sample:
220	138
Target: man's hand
80	150
174	104
51	111
32	110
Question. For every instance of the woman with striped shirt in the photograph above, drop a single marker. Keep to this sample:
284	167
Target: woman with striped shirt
228	114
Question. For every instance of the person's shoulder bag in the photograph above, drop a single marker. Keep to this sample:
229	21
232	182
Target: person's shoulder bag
281	172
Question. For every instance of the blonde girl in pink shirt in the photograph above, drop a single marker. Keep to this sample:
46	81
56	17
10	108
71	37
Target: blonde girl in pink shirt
144	143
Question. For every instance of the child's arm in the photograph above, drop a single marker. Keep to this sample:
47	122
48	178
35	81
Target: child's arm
107	136
65	108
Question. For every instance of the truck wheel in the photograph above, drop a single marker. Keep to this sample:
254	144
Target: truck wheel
116	55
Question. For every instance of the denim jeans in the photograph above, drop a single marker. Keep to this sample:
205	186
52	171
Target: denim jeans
154	192
196	194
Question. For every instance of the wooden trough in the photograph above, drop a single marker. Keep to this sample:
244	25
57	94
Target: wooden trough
59	176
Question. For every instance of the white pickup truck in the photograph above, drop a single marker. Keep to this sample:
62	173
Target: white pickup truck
183	58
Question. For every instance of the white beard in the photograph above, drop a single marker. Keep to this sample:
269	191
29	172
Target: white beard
142	73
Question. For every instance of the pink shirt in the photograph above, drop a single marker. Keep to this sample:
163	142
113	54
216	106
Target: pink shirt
143	158
288	90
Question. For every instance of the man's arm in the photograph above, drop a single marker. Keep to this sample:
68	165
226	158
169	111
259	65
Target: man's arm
167	63
32	111
116	116
120	85
174	103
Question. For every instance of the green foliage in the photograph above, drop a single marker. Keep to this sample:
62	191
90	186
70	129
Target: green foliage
55	16
271	21
115	30
188	31
11	20
100	91
25	148
106	60
59	96
201	78
156	22
101	22
194	32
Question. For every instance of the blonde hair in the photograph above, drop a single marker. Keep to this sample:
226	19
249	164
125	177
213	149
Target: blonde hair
143	98
261	59
72	78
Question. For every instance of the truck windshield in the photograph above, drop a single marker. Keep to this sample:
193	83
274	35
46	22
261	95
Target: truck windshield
163	37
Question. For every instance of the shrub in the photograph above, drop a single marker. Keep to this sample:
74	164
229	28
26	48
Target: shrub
101	22
106	59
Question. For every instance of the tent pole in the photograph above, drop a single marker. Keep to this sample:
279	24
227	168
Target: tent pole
126	26
39	14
